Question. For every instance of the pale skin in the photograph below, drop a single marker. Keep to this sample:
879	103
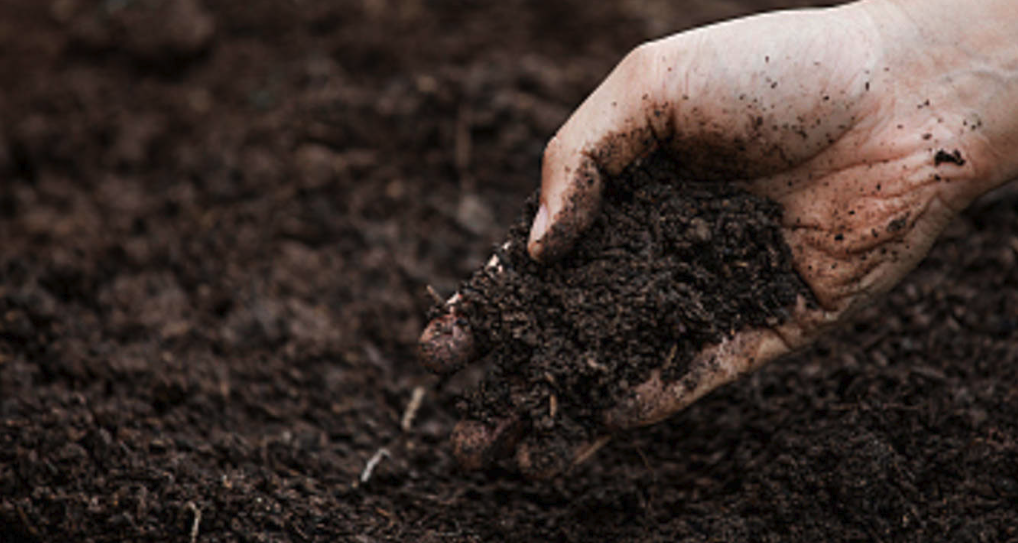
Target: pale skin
873	124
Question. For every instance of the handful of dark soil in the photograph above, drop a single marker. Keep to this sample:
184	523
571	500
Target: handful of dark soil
668	267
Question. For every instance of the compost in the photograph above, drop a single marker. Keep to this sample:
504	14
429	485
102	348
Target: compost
668	267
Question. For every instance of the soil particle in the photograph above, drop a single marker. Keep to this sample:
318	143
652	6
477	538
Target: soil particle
668	267
953	157
897	224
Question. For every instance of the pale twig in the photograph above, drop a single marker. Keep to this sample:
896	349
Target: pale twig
590	449
434	295
197	520
416	398
369	468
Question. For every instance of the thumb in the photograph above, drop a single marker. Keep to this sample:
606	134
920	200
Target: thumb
621	121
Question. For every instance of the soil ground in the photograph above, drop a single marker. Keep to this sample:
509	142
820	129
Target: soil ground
217	222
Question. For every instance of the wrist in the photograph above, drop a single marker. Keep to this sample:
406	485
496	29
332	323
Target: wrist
959	60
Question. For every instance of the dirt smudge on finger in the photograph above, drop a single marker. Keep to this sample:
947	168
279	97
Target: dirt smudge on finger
953	157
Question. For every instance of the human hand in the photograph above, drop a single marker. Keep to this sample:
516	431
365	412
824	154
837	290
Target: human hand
861	121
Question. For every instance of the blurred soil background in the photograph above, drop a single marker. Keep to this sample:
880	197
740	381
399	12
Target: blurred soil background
217	223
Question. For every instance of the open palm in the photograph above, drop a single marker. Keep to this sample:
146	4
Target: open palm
812	109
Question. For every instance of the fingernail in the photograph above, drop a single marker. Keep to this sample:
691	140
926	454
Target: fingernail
540	226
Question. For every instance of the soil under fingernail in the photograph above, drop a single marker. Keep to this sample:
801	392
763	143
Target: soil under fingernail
669	266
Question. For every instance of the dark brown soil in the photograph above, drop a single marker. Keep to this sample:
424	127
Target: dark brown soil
215	247
668	267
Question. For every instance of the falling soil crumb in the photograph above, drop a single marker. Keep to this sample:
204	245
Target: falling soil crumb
668	267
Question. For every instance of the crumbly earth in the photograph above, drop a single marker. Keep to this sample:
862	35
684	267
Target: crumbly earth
214	249
667	267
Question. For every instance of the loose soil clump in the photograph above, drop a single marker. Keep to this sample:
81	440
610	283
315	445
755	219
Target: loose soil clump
668	267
